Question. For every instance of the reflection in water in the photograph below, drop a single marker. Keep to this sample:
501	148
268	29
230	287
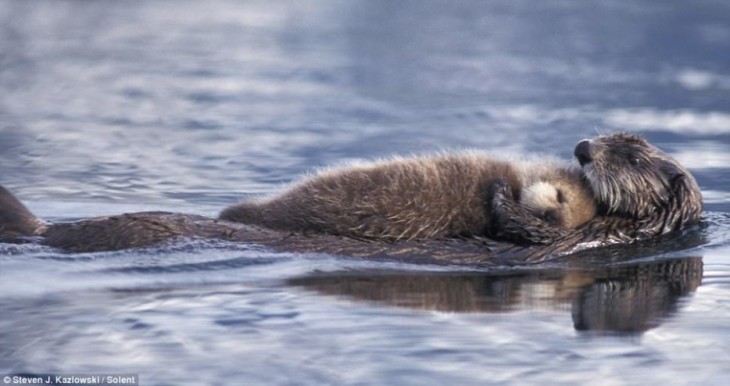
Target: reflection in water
625	298
635	298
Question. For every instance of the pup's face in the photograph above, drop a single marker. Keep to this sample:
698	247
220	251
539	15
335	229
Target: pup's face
631	177
559	203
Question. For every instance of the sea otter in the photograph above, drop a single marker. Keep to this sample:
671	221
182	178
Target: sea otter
426	197
641	193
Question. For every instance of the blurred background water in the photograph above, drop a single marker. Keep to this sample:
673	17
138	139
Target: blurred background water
189	106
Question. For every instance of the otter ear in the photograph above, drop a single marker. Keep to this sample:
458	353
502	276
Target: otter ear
676	180
674	175
678	186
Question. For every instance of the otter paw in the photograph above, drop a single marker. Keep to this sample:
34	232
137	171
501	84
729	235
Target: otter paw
500	191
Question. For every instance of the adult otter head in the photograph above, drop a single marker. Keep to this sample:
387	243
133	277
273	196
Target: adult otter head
632	178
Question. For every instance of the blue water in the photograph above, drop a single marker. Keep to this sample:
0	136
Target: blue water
110	107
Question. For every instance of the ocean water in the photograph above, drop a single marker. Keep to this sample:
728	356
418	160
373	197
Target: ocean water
109	107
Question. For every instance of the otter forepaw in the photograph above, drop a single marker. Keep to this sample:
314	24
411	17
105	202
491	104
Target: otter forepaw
500	191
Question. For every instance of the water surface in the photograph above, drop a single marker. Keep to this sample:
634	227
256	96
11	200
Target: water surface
110	107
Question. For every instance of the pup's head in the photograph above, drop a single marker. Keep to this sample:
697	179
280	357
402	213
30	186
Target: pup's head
560	203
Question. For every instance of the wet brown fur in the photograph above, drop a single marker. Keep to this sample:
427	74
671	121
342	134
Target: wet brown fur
632	178
423	197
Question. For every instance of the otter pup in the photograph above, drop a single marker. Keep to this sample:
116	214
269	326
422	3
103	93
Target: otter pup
425	197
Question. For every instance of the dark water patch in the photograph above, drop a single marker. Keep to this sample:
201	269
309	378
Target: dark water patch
196	267
21	245
718	228
249	321
135	324
207	98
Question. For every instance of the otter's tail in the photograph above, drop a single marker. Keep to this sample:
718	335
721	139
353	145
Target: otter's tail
15	219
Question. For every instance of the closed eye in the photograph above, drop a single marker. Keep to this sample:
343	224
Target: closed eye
551	216
561	196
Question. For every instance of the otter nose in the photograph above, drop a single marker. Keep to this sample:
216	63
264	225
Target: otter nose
583	152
